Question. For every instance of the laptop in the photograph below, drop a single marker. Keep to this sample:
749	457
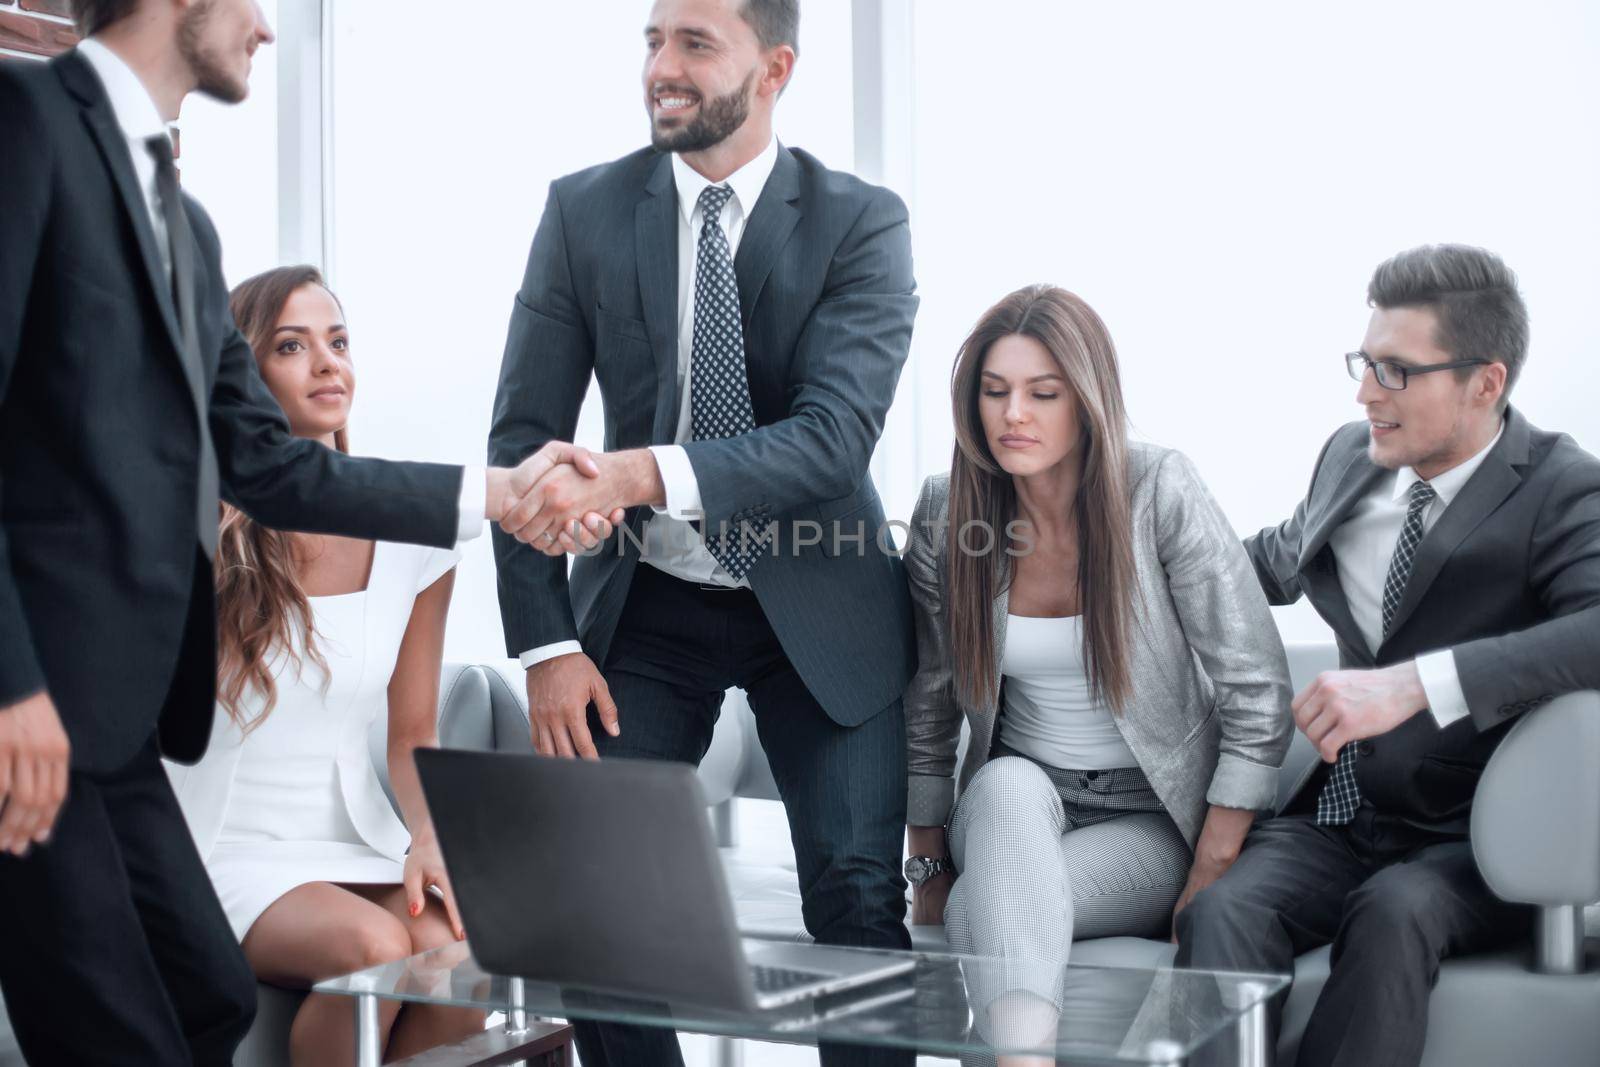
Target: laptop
604	875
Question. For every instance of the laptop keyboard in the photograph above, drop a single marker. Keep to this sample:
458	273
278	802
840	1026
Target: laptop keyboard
770	980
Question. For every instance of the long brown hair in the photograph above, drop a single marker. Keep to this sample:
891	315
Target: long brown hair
259	597
981	491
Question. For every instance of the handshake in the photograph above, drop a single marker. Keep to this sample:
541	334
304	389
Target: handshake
564	498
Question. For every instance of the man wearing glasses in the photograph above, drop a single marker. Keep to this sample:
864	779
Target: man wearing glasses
1455	551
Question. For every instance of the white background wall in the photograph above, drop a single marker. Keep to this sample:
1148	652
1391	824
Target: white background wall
1217	180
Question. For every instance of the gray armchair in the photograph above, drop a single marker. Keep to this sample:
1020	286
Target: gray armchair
1536	824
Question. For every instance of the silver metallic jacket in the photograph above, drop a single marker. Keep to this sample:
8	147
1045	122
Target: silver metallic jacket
1208	718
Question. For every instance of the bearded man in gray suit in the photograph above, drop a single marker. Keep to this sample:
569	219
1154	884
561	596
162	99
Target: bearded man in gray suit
747	312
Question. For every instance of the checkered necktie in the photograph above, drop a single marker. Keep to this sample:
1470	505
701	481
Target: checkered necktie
1340	796
719	390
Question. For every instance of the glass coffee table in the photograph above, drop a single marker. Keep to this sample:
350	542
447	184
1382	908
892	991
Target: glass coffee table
948	1005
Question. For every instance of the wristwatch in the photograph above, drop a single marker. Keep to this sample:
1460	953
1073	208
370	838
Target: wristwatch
920	869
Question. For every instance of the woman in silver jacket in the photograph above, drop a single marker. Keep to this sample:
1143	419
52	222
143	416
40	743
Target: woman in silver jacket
1085	606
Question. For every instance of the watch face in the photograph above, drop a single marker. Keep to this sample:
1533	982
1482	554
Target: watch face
916	870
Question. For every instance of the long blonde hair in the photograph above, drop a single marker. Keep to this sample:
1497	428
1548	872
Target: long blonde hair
260	600
982	491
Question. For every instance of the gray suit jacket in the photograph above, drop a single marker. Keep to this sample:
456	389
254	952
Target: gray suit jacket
1209	717
1508	579
827	297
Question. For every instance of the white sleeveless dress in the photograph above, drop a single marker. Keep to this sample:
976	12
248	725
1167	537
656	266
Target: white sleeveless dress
296	799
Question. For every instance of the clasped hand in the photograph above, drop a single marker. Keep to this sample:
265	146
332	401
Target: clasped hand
560	499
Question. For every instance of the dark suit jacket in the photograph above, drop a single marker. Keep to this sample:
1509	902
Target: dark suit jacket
826	292
99	438
1508	578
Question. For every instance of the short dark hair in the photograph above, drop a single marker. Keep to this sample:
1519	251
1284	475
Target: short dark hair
92	16
1473	293
775	22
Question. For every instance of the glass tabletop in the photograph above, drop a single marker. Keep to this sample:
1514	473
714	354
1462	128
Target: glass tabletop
947	1005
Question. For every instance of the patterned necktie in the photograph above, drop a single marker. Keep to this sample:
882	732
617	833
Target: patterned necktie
183	293
1340	796
719	390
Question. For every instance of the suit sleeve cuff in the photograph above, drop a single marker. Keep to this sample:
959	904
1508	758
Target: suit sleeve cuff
1442	685
679	481
538	655
929	799
1239	783
474	503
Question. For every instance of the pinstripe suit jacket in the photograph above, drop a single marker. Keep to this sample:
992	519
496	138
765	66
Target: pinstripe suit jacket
1208	719
827	300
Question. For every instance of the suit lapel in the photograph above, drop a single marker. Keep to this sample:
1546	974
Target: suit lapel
1002	612
1488	487
1321	582
1352	483
655	233
1318	569
81	80
770	222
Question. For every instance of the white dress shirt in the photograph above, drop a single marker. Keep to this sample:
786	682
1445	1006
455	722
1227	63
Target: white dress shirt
1363	545
671	544
139	120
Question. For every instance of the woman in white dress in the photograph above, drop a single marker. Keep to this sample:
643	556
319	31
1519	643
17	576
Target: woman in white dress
318	636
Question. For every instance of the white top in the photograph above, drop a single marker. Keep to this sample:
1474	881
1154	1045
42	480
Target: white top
1050	709
670	543
1364	544
297	799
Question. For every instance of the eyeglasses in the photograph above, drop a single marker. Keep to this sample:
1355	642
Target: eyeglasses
1393	375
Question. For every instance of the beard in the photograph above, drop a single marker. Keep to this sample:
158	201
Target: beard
212	76
718	119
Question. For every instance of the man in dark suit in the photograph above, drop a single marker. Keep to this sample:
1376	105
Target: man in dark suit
129	404
1455	551
747	312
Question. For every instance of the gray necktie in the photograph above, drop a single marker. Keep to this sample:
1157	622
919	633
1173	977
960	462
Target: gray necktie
183	292
719	388
1340	795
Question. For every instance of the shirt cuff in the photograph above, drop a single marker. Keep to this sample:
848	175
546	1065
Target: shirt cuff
677	478
1442	686
538	655
474	504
